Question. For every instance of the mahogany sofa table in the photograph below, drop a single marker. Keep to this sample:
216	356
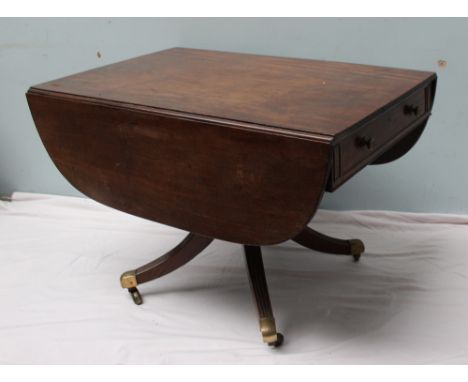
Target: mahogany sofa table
228	146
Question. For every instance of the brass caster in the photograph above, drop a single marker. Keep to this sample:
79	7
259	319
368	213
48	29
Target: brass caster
136	296
357	248
269	334
128	281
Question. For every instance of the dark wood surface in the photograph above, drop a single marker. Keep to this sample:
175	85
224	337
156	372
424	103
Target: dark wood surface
402	146
317	241
318	97
224	145
233	184
180	255
259	288
376	138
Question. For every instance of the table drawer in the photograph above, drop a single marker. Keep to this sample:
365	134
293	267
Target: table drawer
361	146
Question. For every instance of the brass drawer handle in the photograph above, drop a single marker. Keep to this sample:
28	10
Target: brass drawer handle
364	141
411	109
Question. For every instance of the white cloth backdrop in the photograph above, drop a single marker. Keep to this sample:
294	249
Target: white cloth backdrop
61	301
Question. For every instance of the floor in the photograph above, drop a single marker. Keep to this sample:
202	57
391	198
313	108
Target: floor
405	302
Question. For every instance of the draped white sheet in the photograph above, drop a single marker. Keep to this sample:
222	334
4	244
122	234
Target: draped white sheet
61	301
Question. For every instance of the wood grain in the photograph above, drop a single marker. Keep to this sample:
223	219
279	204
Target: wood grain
228	183
231	146
302	95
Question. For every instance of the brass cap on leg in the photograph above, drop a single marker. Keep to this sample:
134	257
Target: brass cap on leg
128	280
356	247
269	333
268	330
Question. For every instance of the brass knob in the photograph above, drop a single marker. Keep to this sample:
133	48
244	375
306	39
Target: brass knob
411	109
365	141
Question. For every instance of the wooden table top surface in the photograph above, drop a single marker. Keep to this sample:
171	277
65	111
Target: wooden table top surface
308	96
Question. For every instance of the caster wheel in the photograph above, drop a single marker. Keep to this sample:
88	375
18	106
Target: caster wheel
136	296
278	342
356	249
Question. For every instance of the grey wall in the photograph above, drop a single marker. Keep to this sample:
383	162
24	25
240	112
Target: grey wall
432	177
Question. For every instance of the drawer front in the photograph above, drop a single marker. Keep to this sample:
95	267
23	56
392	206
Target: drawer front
369	140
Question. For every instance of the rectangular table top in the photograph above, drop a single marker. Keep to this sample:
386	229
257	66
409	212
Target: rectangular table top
306	96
